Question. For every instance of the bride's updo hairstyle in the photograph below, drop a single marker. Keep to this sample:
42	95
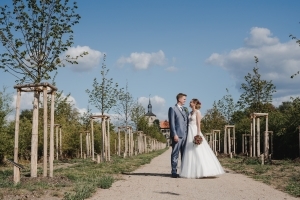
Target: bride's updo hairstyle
197	103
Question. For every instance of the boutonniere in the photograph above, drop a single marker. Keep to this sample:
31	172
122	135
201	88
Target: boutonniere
186	110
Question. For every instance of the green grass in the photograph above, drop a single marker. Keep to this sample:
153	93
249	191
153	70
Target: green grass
261	169
86	175
4	178
283	175
105	182
75	179
293	186
80	192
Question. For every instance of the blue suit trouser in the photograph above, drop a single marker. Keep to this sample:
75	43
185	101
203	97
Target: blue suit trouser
176	148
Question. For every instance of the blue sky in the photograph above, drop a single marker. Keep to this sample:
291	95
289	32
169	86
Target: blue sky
169	46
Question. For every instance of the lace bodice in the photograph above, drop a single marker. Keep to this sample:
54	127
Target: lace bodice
192	117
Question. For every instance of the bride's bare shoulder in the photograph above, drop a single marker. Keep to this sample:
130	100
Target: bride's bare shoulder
199	113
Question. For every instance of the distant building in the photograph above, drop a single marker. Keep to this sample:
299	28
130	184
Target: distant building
163	125
165	130
149	115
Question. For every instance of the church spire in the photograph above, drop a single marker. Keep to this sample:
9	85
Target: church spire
149	106
150	116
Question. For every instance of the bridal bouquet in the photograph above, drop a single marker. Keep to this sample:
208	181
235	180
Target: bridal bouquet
197	140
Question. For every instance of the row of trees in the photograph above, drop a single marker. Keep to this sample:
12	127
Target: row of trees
283	120
72	123
36	35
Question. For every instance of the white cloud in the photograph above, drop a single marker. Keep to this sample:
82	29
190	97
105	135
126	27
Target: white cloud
172	69
277	61
82	110
70	99
158	106
261	37
143	60
279	100
87	62
26	101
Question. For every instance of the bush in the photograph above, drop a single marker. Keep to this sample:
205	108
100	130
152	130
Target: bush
105	182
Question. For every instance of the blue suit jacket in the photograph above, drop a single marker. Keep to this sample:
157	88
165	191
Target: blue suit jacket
178	121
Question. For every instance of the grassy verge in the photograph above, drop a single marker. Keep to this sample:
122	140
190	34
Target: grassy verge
74	179
283	175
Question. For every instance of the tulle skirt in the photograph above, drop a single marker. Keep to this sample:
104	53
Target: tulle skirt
199	160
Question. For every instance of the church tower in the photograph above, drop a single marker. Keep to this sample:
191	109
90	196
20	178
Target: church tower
149	115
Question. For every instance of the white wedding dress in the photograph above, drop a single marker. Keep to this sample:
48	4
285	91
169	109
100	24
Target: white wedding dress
198	160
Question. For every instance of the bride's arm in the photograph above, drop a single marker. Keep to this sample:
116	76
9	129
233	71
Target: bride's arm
198	121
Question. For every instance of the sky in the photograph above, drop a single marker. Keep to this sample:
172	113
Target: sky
164	47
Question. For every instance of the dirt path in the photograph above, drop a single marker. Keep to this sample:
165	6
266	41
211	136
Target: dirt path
153	181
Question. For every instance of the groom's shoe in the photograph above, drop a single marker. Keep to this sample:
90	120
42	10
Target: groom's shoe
174	175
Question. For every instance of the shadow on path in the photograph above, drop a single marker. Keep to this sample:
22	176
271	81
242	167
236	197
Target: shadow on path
169	193
162	175
147	174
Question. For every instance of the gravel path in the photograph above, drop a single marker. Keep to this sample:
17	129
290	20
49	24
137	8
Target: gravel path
153	181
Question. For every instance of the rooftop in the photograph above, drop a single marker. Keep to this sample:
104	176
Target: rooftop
164	124
150	114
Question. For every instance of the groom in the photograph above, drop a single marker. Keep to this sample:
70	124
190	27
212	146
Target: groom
178	119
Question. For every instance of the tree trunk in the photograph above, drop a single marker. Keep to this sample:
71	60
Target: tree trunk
51	158
45	132
16	148
34	136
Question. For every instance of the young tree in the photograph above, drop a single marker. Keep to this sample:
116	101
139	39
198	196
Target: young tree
5	106
104	95
257	93
85	119
227	106
64	109
124	106
213	119
5	109
137	115
285	124
35	34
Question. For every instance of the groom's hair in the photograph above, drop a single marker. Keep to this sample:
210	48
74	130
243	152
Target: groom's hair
179	96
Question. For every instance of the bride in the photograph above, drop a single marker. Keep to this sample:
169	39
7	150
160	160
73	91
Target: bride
198	160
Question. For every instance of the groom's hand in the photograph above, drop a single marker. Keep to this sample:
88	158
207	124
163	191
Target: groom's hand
176	138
